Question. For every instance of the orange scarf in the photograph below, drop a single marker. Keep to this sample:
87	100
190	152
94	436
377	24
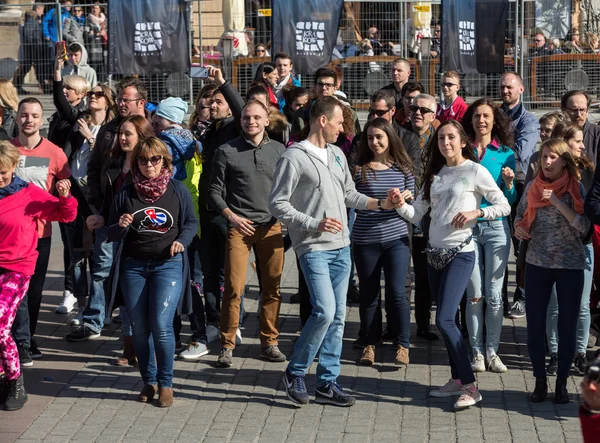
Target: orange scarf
565	183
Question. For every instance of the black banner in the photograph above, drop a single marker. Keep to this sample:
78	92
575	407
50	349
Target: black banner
473	35
307	30
147	37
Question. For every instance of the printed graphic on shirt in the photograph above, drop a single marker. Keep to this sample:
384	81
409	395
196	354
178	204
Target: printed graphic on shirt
152	219
34	170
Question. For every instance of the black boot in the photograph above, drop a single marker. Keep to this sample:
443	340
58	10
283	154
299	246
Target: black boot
541	390
561	396
17	397
3	389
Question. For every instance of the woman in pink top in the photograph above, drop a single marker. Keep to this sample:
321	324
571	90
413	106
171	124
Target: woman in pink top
23	204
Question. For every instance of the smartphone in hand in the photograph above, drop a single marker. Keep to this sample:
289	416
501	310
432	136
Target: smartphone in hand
61	48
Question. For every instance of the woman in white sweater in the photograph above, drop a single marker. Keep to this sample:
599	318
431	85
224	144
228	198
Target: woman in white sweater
453	187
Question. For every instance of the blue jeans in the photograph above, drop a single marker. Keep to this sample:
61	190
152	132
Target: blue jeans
583	322
394	258
326	274
448	287
93	315
151	290
538	287
492	248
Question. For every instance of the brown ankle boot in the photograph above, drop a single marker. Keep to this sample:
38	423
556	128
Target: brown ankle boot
148	393
165	397
128	358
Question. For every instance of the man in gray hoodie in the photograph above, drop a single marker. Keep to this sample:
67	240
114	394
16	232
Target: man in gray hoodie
77	64
312	186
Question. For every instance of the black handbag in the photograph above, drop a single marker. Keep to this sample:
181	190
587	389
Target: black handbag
438	258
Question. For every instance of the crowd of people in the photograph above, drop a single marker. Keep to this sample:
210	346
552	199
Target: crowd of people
164	216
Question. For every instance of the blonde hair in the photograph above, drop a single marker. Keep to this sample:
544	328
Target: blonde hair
147	147
452	74
559	147
78	83
8	94
9	154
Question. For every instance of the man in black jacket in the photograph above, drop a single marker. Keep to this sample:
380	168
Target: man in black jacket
576	105
34	51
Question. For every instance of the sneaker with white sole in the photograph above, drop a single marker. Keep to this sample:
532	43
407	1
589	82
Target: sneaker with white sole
496	365
76	321
478	364
67	303
469	396
453	387
194	351
238	337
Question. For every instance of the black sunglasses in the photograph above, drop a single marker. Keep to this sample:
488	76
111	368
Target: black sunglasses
415	108
98	94
155	160
379	112
449	85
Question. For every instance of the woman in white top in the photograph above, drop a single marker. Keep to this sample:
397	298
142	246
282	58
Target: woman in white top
454	185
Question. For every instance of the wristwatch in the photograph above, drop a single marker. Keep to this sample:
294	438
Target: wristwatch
481	213
92	141
380	204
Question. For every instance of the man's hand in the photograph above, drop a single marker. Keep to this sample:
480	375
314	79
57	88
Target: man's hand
331	225
94	222
243	225
216	75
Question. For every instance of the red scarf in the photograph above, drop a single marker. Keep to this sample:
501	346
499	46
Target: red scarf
151	189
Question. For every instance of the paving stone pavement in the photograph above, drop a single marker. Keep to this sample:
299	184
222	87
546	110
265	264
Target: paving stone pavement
76	395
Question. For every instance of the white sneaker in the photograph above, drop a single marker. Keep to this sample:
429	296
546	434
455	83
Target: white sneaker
194	351
453	387
478	364
212	333
469	397
238	337
67	303
496	365
76	321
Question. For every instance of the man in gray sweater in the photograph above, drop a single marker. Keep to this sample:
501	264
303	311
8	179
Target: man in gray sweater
312	187
242	175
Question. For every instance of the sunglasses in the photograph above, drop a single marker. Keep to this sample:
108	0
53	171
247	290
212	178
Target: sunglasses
379	112
155	160
422	109
98	94
449	85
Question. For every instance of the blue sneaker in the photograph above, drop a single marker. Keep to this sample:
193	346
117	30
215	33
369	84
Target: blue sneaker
295	388
332	394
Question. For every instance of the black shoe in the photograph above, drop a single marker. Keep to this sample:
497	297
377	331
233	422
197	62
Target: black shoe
295	388
17	397
3	389
353	295
24	357
295	298
427	335
561	396
581	363
332	394
517	310
82	333
34	352
552	364
541	390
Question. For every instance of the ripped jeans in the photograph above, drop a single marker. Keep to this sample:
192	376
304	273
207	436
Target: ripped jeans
492	248
151	290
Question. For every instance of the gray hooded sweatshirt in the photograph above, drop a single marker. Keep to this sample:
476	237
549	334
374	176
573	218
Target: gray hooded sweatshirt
305	191
83	69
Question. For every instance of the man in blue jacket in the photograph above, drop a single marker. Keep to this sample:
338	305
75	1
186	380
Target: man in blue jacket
50	20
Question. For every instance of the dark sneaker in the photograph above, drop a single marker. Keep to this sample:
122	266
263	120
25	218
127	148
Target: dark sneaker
34	352
25	357
295	298
3	389
295	388
517	310
332	394
427	335
552	364
82	333
17	397
272	353
225	359
581	363
353	295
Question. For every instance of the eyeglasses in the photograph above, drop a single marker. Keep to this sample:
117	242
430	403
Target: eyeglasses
379	112
127	100
449	85
538	40
577	111
325	85
422	109
97	94
78	10
155	160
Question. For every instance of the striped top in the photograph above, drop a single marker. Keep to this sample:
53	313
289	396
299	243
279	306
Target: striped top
380	226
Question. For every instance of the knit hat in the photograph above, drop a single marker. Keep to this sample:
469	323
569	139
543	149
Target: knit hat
172	109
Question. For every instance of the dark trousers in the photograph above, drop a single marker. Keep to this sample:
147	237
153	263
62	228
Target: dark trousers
519	295
448	287
29	310
422	290
393	258
68	281
538	287
212	256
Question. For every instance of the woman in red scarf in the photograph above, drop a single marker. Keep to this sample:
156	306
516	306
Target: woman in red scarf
154	221
550	216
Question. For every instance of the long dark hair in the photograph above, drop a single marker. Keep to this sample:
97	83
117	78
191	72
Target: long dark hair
435	159
396	150
567	131
502	130
142	127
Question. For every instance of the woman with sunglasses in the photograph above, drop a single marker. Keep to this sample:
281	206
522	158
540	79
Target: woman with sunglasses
489	131
74	26
154	221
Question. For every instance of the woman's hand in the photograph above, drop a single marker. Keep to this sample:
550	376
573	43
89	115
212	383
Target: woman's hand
521	233
125	220
176	248
84	129
59	61
549	196
462	218
94	222
63	187
396	197
508	175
